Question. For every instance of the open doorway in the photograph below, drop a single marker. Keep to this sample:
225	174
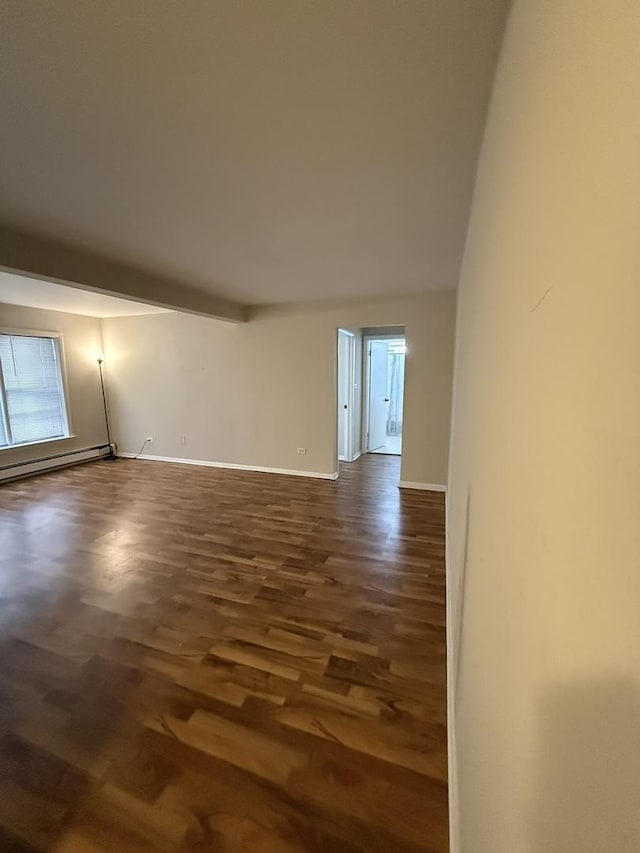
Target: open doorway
348	396
370	394
384	394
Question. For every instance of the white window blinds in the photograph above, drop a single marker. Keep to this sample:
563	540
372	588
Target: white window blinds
33	406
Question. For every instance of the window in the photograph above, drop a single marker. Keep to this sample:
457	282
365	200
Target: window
32	401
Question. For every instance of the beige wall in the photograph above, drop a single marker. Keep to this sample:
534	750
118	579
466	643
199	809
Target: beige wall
251	394
82	340
544	501
39	257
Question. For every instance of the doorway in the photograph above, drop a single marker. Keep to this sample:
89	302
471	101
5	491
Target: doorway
348	438
384	394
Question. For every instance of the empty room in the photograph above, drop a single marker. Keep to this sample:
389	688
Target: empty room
319	409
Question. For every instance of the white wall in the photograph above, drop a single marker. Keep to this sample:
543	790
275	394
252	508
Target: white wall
251	394
82	341
544	501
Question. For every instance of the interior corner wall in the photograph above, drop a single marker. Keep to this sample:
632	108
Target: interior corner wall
82	342
544	490
251	394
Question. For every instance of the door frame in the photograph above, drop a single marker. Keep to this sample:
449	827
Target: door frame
350	337
366	380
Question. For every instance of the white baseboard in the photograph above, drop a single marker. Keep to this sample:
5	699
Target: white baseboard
424	487
232	466
59	460
350	461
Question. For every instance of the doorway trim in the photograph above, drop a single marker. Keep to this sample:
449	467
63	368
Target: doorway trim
350	377
366	366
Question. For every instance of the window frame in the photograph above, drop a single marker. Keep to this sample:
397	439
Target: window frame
64	387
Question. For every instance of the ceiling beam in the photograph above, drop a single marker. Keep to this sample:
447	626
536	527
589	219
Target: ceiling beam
44	258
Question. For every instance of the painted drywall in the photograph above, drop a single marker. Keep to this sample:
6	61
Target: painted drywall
82	341
38	293
252	394
263	150
36	256
544	490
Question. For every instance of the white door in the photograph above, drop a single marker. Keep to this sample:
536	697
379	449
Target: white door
378	401
344	354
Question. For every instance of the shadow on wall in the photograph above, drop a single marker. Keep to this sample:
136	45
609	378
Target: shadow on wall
461	593
587	780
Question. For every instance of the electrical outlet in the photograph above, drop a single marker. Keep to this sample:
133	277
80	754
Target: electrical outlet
302	450
183	439
149	439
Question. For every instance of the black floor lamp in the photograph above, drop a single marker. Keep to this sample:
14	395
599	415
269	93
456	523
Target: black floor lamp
111	456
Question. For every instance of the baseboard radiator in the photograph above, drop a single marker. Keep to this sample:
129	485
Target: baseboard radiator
48	463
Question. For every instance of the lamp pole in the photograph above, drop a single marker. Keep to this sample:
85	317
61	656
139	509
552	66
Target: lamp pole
111	456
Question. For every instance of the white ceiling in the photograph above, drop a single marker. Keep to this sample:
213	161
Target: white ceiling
34	293
263	150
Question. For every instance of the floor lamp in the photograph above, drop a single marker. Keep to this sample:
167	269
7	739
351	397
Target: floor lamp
111	456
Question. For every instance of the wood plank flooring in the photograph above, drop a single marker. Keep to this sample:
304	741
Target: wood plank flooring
194	659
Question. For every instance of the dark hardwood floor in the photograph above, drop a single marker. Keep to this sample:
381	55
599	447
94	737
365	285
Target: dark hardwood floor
194	659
